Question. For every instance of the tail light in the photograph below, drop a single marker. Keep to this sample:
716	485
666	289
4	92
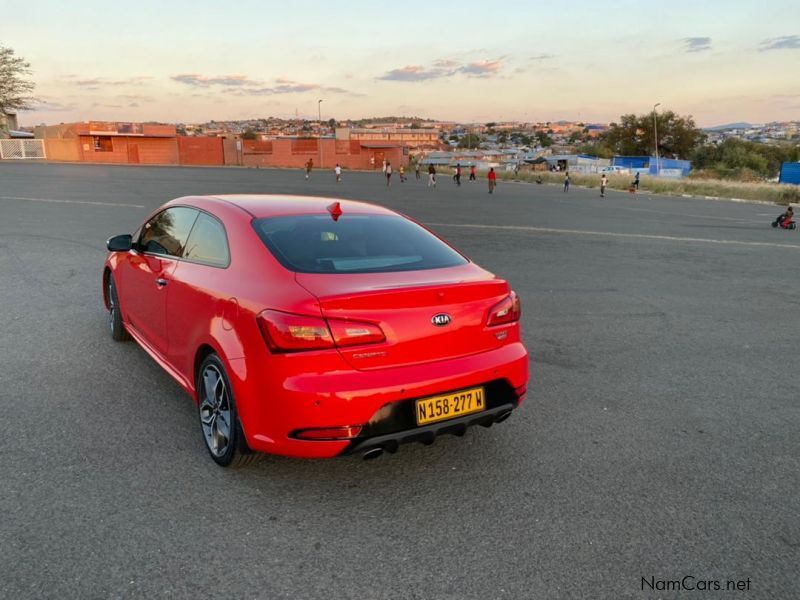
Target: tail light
286	332
507	310
353	333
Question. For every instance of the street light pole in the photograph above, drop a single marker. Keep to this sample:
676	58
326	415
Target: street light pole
319	118
655	132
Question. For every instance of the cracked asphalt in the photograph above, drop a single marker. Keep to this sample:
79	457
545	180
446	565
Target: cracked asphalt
660	436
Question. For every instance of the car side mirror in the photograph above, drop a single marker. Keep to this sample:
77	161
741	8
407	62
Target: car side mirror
120	243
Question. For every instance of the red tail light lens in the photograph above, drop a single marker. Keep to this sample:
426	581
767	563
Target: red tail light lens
286	332
354	333
507	310
329	433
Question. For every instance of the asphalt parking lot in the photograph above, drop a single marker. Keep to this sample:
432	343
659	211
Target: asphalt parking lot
660	436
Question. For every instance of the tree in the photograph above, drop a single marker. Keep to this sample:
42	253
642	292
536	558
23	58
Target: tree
332	123
741	159
249	134
471	140
15	88
635	136
544	139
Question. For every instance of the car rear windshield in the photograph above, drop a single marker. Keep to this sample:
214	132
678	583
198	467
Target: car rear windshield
354	244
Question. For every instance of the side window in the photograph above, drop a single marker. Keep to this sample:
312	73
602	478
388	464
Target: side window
167	232
208	243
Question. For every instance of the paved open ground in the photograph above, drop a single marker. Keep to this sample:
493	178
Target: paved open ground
660	437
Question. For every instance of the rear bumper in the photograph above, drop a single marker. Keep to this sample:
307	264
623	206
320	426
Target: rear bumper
278	402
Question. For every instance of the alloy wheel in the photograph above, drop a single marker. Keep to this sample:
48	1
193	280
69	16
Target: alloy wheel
215	411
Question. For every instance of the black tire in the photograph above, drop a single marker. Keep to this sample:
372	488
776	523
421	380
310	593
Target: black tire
219	420
118	331
774	223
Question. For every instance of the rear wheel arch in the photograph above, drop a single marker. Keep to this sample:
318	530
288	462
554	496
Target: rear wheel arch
202	352
106	277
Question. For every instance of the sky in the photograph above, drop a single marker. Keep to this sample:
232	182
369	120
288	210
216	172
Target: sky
193	61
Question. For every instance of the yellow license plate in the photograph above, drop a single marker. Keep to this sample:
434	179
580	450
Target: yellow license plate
440	408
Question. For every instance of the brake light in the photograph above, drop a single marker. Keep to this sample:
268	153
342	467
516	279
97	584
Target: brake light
507	310
286	332
354	333
329	433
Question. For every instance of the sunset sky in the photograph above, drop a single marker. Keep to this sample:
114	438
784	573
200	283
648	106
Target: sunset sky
189	61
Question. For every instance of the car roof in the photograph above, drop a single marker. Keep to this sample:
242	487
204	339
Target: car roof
270	205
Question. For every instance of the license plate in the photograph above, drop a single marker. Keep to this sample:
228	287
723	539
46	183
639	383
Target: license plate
440	408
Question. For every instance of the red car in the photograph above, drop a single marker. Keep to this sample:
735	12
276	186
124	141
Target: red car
312	327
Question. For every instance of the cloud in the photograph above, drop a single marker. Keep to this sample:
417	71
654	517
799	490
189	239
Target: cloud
696	44
135	98
97	81
482	68
542	57
415	73
133	105
786	42
197	80
288	86
52	106
444	68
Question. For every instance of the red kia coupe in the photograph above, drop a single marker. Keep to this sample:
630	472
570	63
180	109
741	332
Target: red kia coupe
313	327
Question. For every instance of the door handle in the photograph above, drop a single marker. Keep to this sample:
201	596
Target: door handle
161	282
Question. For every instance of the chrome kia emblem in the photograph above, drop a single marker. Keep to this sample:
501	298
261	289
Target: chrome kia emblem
441	319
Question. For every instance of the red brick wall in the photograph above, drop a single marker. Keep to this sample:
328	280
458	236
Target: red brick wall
156	151
150	151
288	153
200	151
63	150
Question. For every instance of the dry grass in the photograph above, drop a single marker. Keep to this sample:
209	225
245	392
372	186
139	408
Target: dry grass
768	192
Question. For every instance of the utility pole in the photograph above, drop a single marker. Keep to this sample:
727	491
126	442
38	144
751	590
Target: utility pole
655	132
319	117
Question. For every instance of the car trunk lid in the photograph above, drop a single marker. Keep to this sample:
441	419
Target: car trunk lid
427	315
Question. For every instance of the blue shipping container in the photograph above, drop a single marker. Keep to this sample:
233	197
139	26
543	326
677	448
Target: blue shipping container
790	173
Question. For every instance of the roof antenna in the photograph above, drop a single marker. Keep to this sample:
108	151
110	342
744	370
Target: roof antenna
336	210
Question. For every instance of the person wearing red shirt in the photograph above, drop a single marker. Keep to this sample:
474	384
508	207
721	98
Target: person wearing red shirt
492	177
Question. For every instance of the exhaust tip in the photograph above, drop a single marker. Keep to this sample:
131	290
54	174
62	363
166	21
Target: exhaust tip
373	453
502	416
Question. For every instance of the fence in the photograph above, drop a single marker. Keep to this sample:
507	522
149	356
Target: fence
22	149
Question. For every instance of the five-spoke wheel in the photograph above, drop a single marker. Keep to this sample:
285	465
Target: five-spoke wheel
219	422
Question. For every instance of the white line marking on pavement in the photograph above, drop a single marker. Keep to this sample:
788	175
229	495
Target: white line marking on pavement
54	201
640	236
674	214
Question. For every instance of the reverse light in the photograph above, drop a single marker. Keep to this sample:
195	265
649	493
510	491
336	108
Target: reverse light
355	333
329	433
506	311
286	332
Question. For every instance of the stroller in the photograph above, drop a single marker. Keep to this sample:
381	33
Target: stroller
786	220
